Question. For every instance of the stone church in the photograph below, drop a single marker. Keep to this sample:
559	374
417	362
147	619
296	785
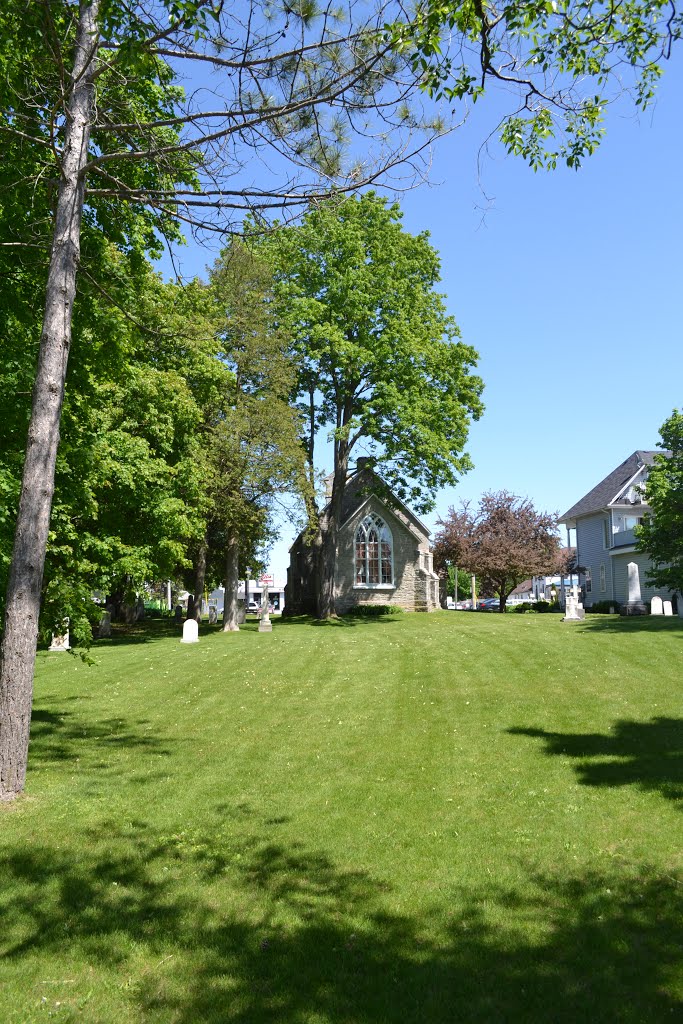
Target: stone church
383	554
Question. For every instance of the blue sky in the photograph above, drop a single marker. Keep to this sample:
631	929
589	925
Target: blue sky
569	286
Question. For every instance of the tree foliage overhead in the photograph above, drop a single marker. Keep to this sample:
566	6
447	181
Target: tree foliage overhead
566	61
661	533
504	541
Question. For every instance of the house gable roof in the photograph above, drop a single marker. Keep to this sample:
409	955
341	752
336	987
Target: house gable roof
604	493
523	588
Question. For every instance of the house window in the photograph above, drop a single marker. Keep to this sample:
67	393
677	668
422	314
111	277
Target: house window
605	533
374	553
624	523
603	580
589	582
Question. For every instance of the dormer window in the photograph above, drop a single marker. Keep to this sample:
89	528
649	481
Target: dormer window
373	553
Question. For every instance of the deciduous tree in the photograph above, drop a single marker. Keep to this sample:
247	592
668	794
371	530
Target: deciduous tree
661	533
254	445
380	362
505	540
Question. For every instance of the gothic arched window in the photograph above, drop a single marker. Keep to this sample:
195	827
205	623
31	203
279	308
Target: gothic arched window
374	553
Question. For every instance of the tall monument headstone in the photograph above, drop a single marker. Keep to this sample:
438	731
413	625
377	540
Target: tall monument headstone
265	625
634	605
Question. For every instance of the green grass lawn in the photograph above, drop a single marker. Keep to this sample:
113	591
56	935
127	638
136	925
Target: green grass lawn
427	819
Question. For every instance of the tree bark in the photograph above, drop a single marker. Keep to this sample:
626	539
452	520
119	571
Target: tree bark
35	503
326	571
232	561
328	547
199	580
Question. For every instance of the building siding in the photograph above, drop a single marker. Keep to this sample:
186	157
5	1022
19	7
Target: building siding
620	567
592	554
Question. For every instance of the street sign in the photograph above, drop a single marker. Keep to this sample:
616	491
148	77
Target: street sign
266	579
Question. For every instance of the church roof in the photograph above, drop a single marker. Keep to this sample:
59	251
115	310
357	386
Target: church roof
358	492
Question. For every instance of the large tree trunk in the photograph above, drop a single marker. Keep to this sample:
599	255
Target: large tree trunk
33	520
327	564
232	562
199	579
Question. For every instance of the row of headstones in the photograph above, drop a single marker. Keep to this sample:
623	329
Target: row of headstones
191	626
659	607
61	641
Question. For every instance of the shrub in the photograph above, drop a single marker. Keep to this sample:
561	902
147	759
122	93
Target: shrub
541	606
370	611
522	607
603	607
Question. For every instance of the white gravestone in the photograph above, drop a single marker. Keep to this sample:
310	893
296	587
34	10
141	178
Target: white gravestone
190	632
105	626
656	606
668	608
265	625
60	641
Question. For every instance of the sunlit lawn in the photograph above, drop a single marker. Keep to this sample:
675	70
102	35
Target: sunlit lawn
429	819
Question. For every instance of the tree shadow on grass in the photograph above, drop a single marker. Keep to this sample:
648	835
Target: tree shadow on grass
631	624
59	734
644	754
214	928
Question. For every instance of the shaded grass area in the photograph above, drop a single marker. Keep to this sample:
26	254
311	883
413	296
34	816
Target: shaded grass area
433	818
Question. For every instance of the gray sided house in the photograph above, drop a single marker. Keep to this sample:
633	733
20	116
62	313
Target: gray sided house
383	554
604	520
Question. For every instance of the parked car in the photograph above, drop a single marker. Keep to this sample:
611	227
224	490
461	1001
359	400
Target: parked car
464	606
488	604
252	607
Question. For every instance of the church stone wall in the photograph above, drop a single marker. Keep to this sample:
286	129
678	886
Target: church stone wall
415	586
